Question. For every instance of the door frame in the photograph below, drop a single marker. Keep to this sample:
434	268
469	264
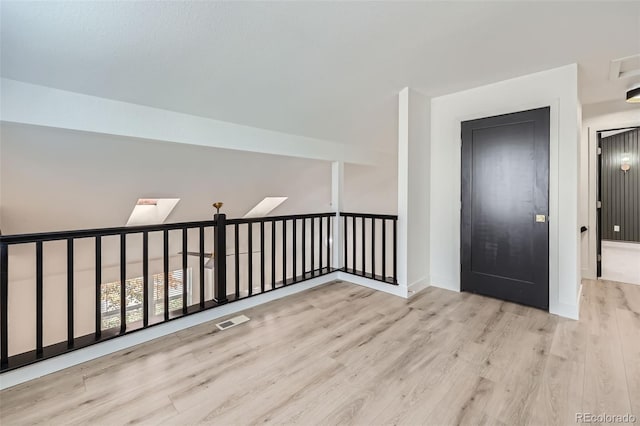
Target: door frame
598	195
547	306
556	304
590	265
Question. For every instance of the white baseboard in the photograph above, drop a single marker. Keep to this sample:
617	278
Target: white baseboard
48	366
445	283
566	310
588	274
396	290
627	245
418	286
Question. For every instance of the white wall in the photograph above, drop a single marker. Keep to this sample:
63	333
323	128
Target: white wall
596	117
556	88
56	179
371	189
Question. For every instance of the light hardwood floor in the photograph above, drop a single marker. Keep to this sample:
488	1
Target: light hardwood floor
343	354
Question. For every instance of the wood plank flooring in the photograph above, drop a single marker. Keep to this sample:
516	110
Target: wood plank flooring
343	354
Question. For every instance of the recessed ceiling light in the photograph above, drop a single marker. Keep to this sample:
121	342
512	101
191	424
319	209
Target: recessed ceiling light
633	95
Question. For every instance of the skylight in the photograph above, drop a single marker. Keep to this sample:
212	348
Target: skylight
151	211
265	206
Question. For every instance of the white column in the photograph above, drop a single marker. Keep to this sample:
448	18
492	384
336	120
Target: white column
337	190
403	185
413	190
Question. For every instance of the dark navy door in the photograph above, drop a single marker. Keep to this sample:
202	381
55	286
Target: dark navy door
505	206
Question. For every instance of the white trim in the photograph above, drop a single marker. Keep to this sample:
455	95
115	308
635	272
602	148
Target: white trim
586	274
445	283
48	366
554	165
417	286
403	187
566	310
592	208
627	245
396	290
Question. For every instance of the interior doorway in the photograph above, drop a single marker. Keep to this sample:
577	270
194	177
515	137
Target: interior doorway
618	206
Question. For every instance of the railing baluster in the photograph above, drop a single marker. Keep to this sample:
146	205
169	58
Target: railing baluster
98	299
236	247
329	218
250	257
185	264
145	279
294	250
273	254
313	246
165	239
384	249
373	248
70	307
284	252
353	244
320	243
4	305
356	240
345	248
304	248
39	296
395	252
262	256
201	267
364	248
123	283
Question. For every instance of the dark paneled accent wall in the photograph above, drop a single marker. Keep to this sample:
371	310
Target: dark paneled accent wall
620	191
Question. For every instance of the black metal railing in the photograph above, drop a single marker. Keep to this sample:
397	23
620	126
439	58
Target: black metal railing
71	239
263	254
300	249
370	246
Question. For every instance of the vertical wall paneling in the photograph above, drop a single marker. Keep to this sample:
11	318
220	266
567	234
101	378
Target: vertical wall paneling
621	191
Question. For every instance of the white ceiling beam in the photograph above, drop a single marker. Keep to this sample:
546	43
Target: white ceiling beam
44	106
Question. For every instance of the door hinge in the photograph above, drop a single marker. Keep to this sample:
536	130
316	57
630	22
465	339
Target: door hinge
599	151
598	204
599	258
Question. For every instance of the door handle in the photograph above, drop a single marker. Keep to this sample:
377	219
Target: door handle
541	218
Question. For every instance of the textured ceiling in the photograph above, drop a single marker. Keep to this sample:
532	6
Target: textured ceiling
329	70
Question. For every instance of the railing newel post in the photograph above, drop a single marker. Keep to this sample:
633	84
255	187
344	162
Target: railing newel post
220	259
4	305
